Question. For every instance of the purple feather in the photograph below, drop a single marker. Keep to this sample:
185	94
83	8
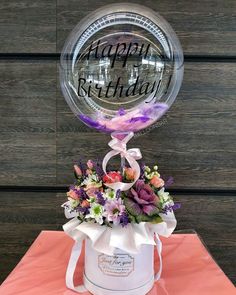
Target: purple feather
121	112
143	119
94	124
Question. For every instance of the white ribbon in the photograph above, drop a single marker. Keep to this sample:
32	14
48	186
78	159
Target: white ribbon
131	155
74	257
159	250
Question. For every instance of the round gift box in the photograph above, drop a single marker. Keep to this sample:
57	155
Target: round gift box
119	274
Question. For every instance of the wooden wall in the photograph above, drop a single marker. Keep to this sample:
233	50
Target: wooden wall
40	137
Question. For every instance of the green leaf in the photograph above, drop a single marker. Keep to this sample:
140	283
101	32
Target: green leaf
146	218
143	218
76	176
132	219
156	219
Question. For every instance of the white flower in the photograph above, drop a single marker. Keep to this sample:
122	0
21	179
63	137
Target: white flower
165	197
73	203
110	194
92	180
96	212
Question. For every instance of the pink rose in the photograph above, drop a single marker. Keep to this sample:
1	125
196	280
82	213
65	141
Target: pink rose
112	177
72	194
91	191
90	164
157	181
78	171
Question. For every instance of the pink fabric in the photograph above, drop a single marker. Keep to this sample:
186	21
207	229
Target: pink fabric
188	269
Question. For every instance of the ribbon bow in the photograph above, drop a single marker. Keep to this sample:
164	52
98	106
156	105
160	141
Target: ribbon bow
118	146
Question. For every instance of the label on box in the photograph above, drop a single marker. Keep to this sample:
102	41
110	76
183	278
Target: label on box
120	265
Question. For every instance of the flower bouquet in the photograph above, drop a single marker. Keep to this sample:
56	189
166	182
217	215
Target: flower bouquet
91	200
120	215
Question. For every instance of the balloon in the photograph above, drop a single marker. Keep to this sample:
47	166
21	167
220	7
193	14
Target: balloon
121	68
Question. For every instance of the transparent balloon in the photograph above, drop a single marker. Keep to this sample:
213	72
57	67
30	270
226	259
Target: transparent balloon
121	68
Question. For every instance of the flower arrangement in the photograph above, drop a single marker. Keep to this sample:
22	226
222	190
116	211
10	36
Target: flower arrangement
91	200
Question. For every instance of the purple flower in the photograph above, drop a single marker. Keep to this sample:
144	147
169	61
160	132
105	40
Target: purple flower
142	170
83	210
114	210
83	194
124	219
98	169
143	198
169	181
100	198
118	193
170	208
74	193
82	166
72	187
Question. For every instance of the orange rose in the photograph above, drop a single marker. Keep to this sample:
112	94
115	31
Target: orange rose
157	181
129	174
85	203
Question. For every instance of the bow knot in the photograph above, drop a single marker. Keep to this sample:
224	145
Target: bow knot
134	153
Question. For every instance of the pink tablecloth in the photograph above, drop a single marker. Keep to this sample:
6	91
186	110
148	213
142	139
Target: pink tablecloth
188	269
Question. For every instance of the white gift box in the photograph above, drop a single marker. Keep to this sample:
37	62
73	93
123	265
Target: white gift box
118	260
120	273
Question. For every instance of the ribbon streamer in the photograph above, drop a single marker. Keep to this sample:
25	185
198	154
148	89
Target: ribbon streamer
74	257
131	155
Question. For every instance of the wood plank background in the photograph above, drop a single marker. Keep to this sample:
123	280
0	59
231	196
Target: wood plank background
28	122
40	138
204	27
27	26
